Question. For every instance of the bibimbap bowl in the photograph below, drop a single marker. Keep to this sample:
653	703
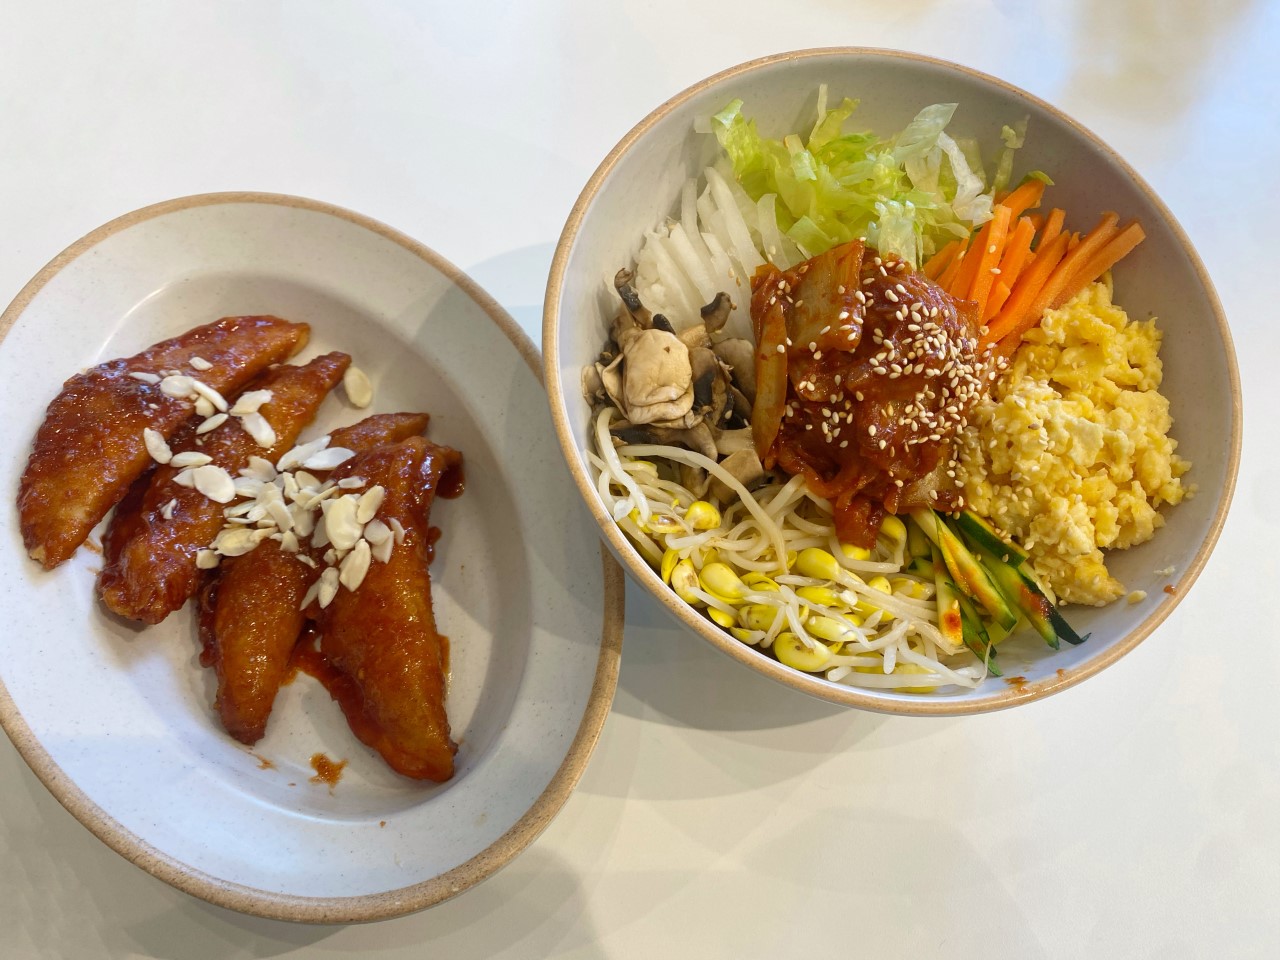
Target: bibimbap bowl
638	188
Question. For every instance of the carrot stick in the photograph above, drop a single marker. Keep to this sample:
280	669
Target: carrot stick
1117	247
1017	252
1073	242
1027	289
939	261
973	256
990	255
949	275
1052	226
1026	197
1050	294
999	294
1037	220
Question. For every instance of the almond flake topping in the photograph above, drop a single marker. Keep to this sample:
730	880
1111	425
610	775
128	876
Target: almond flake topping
295	457
179	387
144	377
156	445
255	424
215	483
167	510
208	393
200	363
185	478
211	423
357	386
398	528
328	587
204	408
207	559
368	504
375	531
250	401
351	483
329	458
190	458
340	520
355	565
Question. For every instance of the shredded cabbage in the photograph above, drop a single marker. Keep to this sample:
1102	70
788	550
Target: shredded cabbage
908	195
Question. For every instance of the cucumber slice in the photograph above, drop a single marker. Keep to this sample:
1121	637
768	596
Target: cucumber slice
984	535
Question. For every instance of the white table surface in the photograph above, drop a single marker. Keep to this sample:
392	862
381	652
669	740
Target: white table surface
1135	816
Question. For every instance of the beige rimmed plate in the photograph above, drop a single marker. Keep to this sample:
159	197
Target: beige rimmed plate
117	721
638	185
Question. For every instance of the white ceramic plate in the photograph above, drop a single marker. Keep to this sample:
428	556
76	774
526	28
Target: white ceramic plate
117	721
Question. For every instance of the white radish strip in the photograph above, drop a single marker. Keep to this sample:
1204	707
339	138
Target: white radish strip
735	226
689	221
697	268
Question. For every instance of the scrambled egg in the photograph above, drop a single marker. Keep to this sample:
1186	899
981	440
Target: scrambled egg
1071	454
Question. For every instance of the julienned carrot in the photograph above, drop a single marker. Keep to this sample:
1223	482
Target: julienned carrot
1052	226
949	275
1074	242
1027	289
1017	251
999	294
1051	293
1037	219
990	255
939	261
963	281
1117	247
1026	197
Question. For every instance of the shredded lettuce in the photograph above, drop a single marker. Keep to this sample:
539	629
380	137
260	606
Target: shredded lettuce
909	194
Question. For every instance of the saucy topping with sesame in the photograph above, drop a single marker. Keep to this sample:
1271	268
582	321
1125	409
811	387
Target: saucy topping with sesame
868	370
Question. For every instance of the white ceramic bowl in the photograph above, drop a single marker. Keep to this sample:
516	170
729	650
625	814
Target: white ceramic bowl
638	185
117	720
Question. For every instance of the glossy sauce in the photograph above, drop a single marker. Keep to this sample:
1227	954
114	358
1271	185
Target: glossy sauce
328	771
882	369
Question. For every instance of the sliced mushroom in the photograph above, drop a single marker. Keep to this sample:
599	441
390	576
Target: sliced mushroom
622	282
697	438
730	442
745	467
740	355
716	313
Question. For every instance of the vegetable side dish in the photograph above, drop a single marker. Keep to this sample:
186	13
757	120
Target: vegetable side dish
194	441
871	411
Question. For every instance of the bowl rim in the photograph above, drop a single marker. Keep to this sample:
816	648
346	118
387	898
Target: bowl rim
365	907
1010	695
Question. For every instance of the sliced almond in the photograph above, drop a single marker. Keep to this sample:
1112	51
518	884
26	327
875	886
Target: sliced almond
204	408
200	363
295	457
328	587
255	424
215	483
289	542
236	541
312	592
340	521
351	483
210	394
211	423
185	478
368	504
156	445
398	528
382	551
250	401
358	388
304	521
145	377
328	458
179	387
355	565
190	458
259	468
303	558
375	531
279	513
248	486
207	559
167	510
